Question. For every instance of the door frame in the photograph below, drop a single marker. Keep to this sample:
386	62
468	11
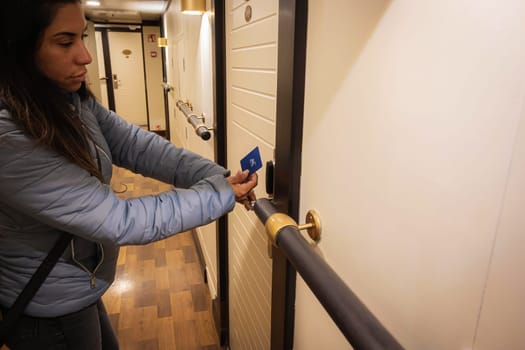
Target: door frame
291	70
221	306
167	135
291	66
104	29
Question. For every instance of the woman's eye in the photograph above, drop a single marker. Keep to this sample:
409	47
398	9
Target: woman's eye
65	44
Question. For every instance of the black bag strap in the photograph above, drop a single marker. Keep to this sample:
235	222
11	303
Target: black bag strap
29	291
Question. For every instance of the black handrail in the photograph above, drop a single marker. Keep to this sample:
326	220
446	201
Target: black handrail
360	327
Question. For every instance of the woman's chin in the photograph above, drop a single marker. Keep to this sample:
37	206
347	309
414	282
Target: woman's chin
71	87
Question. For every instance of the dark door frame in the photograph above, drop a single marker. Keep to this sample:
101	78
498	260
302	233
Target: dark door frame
165	91
291	65
293	20
221	307
107	67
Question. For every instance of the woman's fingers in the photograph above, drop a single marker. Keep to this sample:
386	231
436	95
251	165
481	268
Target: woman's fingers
243	184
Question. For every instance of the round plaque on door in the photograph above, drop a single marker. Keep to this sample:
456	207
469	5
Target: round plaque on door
248	13
126	52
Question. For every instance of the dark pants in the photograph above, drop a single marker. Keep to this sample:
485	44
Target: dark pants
87	329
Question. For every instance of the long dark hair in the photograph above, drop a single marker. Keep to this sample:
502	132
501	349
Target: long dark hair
36	103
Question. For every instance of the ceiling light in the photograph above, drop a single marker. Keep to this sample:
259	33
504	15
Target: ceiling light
146	6
193	7
92	3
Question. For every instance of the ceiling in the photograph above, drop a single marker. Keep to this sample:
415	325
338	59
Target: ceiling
126	11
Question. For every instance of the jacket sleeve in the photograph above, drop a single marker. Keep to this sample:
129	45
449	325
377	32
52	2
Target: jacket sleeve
44	185
148	154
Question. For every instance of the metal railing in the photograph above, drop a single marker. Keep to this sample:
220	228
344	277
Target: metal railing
360	327
195	120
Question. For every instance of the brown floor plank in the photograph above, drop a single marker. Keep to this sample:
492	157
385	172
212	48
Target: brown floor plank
159	300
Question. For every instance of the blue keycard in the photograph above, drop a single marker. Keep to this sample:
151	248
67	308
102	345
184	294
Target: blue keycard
252	161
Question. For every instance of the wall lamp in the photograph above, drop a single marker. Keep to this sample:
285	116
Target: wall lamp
193	7
162	42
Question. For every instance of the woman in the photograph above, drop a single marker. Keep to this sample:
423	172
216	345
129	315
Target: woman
57	147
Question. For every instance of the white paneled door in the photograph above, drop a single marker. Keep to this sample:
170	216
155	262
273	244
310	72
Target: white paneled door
251	41
127	67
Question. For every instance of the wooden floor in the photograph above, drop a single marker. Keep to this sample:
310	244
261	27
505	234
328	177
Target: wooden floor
159	300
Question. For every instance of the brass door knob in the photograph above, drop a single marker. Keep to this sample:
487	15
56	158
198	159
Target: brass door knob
312	225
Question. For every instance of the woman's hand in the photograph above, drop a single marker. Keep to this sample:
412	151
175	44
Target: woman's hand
242	185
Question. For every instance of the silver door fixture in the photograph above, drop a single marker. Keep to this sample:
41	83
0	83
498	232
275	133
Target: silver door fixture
116	82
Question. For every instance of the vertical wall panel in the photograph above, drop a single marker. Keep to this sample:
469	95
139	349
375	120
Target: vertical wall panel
189	63
503	311
411	115
153	64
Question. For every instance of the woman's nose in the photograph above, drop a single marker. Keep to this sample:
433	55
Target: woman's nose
83	56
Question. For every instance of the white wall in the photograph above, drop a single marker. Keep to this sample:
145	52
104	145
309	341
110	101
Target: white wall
153	66
190	72
413	157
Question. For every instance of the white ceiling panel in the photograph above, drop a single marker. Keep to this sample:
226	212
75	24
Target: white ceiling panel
127	11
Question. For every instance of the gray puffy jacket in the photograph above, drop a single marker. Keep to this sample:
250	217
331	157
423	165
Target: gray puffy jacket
42	194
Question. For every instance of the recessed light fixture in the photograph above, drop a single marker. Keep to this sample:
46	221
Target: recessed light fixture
92	3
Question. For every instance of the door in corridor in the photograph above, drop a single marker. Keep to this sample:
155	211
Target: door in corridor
122	74
251	44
